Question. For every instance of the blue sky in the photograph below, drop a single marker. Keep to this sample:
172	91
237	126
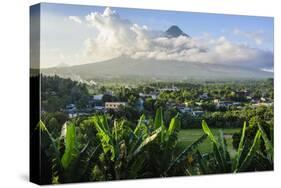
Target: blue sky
192	23
250	31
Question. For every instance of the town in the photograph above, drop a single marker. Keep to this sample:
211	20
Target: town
103	102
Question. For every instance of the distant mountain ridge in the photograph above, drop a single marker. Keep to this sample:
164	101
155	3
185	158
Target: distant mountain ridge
125	67
62	65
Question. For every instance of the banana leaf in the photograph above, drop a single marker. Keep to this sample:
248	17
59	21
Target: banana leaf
240	148
267	143
248	159
70	145
182	156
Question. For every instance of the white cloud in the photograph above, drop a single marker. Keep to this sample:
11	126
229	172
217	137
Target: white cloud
75	19
257	36
268	69
117	36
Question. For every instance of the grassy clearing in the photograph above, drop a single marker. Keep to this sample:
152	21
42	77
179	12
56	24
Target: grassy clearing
188	136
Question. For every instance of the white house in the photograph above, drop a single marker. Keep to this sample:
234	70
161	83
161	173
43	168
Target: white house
114	105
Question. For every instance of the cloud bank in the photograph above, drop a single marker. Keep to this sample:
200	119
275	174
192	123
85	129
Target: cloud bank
117	36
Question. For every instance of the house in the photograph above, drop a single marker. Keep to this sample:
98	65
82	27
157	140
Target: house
96	101
140	103
263	99
185	109
242	93
254	101
198	103
99	108
263	104
216	101
70	108
224	104
204	96
98	97
170	89
114	105
72	115
153	95
248	97
236	103
197	113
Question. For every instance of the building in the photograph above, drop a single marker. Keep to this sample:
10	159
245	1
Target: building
242	93
169	89
185	109
224	104
70	108
197	113
96	101
216	101
140	104
263	104
99	108
98	97
114	105
204	96
152	95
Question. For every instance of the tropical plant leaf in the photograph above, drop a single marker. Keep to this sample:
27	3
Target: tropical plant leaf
267	143
219	156
104	122
202	163
158	121
146	141
224	153
104	136
208	132
70	145
247	161
182	156
141	128
82	162
240	148
174	124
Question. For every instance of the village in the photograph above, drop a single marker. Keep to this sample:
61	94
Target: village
99	103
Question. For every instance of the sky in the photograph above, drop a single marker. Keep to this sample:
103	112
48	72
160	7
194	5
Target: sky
74	35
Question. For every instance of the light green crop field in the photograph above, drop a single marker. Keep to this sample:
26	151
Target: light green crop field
188	136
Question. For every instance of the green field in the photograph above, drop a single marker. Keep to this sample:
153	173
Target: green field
188	136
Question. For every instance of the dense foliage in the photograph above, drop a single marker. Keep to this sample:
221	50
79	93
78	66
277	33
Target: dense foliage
99	148
231	118
57	92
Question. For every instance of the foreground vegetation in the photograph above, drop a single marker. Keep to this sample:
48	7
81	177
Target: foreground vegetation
157	133
99	148
187	136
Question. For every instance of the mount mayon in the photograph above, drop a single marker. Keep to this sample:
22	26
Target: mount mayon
174	31
124	67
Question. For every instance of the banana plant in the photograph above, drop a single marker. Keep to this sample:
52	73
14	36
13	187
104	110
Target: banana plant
265	159
114	150
140	152
164	159
222	161
183	155
121	146
69	164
